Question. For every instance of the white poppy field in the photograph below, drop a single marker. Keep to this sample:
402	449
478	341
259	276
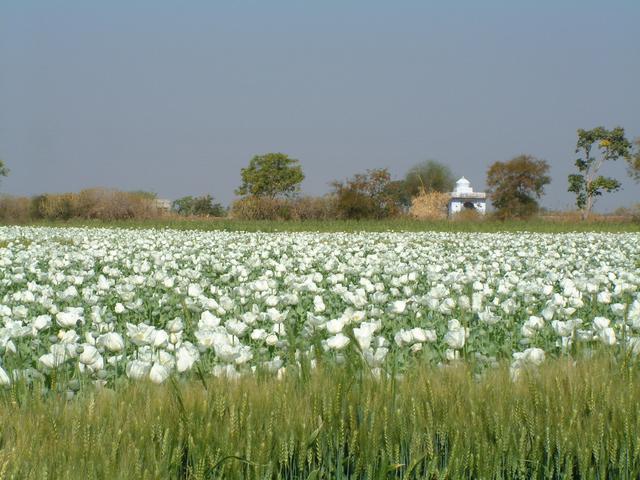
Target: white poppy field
97	305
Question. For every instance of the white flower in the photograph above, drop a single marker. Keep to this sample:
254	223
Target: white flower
261	285
607	336
208	321
271	301
194	290
275	315
455	339
41	322
604	297
103	283
176	325
258	334
534	355
565	329
451	355
89	355
335	326
68	319
271	339
601	322
186	356
111	341
4	378
236	327
159	373
364	334
338	342
119	308
618	309
140	334
318	304
160	339
398	306
456	335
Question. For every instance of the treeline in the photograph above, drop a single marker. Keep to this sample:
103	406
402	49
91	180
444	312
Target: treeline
104	204
270	190
94	203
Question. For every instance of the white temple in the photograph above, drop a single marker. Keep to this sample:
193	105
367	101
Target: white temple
464	198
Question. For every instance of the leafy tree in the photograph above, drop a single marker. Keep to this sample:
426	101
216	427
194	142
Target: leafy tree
4	171
271	175
366	195
199	206
633	160
515	186
587	184
431	176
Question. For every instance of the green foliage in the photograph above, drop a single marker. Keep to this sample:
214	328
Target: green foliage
515	186
284	209
563	420
587	184
430	176
203	206
633	161
4	171
271	175
367	195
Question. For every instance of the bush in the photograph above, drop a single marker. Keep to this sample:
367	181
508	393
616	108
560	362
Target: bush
104	204
203	206
314	208
261	208
367	195
267	208
15	209
90	204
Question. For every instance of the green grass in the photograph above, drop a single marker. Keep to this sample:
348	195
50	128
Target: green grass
401	224
561	421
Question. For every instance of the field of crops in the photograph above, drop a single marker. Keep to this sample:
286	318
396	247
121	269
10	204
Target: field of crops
85	311
95	305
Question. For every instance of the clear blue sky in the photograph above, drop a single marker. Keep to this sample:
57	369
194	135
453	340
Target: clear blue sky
175	97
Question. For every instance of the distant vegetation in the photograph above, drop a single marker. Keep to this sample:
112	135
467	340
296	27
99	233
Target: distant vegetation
204	206
270	190
515	186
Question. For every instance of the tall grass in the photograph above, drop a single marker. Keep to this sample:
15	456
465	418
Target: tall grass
564	420
396	224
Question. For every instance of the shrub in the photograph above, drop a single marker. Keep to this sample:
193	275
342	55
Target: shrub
15	209
367	195
198	206
299	209
314	208
261	208
58	206
94	204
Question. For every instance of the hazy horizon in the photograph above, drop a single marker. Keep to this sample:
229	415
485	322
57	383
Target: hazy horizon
177	98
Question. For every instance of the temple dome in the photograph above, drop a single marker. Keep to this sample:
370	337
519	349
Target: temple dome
463	186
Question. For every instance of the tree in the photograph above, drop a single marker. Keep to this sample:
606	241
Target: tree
366	195
4	171
633	159
587	184
199	206
516	185
271	175
429	175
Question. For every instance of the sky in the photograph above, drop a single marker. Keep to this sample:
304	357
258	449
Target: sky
176	97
